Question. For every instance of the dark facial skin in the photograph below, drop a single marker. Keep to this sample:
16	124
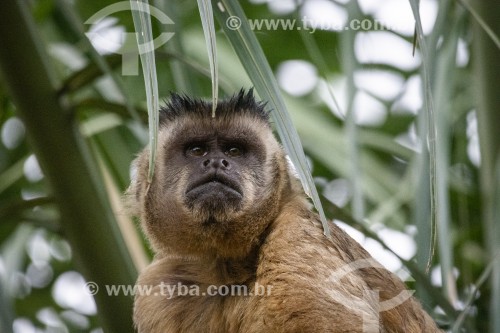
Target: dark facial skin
215	173
217	167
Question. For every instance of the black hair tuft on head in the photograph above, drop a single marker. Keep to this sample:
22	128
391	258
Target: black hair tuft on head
242	103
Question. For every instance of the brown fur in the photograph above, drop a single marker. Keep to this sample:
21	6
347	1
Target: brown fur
271	238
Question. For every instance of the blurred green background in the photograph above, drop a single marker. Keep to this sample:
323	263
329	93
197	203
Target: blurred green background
397	133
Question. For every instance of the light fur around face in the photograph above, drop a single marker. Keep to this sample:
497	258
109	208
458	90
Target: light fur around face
264	234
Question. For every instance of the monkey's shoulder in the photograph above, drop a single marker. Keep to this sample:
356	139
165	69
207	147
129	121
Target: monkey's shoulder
326	282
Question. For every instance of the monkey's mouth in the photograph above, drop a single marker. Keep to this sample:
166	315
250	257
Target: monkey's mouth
214	183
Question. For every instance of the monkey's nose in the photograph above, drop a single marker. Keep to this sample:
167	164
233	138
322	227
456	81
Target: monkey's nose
217	163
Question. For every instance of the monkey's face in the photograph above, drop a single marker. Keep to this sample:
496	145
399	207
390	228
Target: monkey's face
216	166
218	181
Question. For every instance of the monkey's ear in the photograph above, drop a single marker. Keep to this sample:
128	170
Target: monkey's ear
133	171
132	197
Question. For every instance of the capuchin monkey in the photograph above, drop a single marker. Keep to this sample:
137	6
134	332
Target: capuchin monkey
237	246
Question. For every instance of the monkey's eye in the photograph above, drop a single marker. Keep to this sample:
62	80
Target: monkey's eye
234	151
197	150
